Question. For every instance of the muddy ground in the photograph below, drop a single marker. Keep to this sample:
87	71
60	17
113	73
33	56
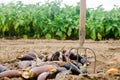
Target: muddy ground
107	54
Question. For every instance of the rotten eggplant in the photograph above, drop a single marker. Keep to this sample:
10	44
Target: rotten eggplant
3	68
10	73
35	71
28	56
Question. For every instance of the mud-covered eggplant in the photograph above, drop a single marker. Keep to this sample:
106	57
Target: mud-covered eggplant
25	57
60	69
49	57
3	68
47	75
61	75
74	68
41	56
55	63
6	78
44	59
35	71
28	56
68	53
78	58
10	73
24	64
55	56
78	64
43	76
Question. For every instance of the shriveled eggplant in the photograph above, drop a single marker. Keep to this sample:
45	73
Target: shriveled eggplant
78	64
60	69
47	75
68	53
54	56
78	58
24	64
6	78
43	76
10	73
28	56
3	68
35	71
49	57
61	75
41	56
55	63
74	69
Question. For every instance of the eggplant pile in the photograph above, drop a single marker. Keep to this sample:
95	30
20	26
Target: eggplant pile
42	67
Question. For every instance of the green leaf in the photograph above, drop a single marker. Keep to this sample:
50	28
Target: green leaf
63	29
93	34
59	33
63	37
108	29
69	32
48	36
99	36
25	36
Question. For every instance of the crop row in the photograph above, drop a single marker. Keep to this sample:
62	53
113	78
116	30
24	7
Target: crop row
50	20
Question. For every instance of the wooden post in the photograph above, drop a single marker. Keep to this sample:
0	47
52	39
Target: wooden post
82	31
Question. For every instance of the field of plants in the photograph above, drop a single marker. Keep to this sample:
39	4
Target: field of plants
37	42
51	21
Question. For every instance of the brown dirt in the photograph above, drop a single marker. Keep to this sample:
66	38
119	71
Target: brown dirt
107	52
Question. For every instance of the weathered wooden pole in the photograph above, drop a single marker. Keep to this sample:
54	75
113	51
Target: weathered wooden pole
82	31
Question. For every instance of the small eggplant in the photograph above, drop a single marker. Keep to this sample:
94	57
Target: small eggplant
3	68
35	71
10	73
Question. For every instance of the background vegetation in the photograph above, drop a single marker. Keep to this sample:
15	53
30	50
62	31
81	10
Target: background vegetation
50	20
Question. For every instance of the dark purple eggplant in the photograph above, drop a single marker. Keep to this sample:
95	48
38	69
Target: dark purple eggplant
28	56
77	64
74	68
